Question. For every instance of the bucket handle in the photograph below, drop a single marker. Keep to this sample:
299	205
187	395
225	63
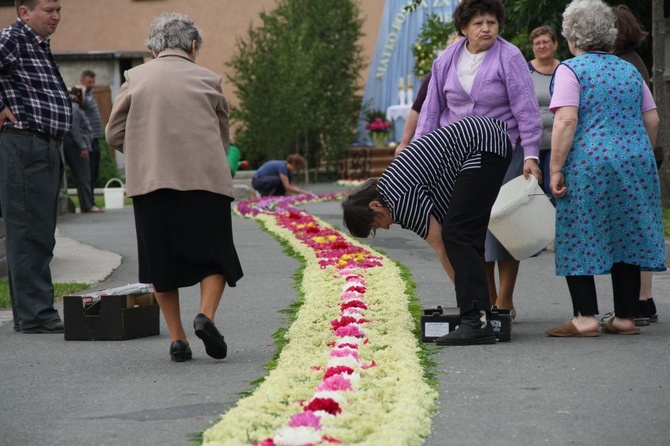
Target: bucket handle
112	180
526	197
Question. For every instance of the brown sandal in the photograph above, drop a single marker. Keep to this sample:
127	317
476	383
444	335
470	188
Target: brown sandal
569	330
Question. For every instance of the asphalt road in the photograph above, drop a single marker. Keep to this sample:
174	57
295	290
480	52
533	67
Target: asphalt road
534	390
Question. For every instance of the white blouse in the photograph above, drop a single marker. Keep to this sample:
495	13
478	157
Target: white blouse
468	66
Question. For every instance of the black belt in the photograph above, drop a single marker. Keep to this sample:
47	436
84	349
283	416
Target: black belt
44	136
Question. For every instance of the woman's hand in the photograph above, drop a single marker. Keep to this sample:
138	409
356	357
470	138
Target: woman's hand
565	125
434	239
530	167
557	185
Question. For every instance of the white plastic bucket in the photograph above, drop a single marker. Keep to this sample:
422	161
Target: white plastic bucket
114	195
523	218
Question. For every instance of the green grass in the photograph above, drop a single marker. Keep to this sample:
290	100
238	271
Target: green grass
60	290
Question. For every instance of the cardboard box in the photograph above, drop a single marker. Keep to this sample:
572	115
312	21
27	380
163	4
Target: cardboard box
111	318
437	322
501	322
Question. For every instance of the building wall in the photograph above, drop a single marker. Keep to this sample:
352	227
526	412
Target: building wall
121	26
71	69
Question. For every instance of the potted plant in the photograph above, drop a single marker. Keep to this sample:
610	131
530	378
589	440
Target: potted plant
378	127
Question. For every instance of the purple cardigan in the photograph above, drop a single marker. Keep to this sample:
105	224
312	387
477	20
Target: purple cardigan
502	89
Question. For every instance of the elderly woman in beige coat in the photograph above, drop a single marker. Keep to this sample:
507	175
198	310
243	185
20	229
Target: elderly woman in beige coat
170	120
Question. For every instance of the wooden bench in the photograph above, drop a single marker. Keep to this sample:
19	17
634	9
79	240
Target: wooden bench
361	162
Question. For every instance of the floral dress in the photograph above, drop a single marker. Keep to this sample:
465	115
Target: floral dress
612	210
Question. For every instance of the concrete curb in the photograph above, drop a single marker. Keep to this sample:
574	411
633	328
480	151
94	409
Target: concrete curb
74	261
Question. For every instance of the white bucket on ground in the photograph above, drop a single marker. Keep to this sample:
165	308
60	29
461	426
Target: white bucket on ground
114	195
523	218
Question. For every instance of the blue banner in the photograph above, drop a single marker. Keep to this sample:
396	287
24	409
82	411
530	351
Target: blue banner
391	80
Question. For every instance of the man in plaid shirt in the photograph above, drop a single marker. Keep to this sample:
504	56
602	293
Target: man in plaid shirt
35	112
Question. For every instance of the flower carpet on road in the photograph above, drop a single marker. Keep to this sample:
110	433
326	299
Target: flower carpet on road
350	371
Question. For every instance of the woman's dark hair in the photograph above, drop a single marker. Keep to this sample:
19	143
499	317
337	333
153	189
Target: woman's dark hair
630	32
468	9
356	213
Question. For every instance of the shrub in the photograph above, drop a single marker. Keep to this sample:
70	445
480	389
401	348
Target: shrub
108	168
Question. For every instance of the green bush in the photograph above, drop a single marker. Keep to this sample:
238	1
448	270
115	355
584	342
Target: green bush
108	168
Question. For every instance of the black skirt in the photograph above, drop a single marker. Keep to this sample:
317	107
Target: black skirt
183	237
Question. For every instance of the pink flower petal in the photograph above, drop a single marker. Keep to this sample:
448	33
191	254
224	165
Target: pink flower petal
307	419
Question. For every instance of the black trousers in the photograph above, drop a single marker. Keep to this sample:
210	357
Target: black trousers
81	172
94	162
31	170
465	225
625	289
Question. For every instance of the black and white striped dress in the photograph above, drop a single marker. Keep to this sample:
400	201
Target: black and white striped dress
419	182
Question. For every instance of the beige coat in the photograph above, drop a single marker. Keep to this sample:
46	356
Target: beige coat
170	120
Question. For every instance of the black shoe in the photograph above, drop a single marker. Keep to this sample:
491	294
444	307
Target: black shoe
647	309
640	321
652	309
49	327
17	328
205	329
180	351
607	316
470	332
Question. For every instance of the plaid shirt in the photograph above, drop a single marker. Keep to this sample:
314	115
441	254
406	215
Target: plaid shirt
30	83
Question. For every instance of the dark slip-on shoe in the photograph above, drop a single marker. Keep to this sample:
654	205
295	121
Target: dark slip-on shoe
205	329
180	351
49	327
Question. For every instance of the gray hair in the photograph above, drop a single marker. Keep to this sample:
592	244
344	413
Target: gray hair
590	25
172	30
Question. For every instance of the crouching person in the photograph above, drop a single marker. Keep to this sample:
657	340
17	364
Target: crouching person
443	186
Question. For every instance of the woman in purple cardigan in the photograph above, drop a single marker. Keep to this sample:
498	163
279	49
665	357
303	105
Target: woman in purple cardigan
485	75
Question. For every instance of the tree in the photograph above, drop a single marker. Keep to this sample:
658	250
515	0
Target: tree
433	36
297	78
